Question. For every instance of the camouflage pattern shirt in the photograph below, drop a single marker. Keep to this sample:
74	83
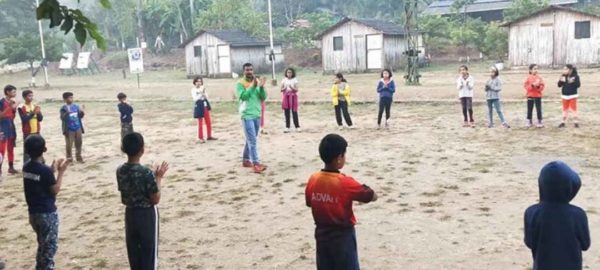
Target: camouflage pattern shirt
136	184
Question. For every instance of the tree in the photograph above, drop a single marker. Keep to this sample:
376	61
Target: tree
71	19
233	14
13	17
303	37
26	48
495	42
520	8
436	31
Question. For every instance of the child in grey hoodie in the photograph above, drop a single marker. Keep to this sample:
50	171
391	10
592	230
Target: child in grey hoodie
492	92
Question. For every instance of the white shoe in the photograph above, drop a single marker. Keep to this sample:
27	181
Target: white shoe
351	127
287	130
340	127
298	130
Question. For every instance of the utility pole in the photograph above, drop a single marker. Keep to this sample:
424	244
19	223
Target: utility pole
140	25
272	54
43	63
412	38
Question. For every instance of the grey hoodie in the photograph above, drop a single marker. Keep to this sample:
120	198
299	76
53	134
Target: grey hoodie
493	88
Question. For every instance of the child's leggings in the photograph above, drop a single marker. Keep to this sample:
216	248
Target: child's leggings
208	125
537	102
342	109
8	145
467	106
385	104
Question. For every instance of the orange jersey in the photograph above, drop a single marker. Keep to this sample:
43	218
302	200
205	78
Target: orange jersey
534	85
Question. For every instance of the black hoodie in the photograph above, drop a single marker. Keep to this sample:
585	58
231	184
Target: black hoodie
556	231
570	85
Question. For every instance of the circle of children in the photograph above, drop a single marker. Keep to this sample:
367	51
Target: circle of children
555	231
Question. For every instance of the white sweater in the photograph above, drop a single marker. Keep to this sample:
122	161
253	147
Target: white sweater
199	93
465	86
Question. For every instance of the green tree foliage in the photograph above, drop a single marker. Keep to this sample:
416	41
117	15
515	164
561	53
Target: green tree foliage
17	16
495	42
233	14
436	31
520	8
304	37
26	48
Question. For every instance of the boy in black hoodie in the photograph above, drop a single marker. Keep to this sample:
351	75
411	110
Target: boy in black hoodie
556	231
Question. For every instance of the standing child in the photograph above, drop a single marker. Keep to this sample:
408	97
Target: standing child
569	82
555	230
41	187
140	193
534	86
289	90
126	112
72	127
330	194
465	84
492	92
31	118
386	88
8	132
340	94
202	109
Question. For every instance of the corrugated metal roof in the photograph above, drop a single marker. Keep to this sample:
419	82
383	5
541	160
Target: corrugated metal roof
385	27
235	38
444	7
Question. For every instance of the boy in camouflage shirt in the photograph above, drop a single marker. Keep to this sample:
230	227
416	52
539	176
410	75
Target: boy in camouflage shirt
140	193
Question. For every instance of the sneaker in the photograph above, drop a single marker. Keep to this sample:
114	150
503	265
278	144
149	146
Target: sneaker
12	171
466	124
576	125
562	125
529	124
490	125
80	160
298	129
379	127
340	127
259	168
287	130
211	139
540	125
506	125
263	131
387	125
247	164
350	127
201	141
472	124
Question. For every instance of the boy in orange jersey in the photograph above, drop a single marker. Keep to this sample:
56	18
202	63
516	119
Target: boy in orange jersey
330	195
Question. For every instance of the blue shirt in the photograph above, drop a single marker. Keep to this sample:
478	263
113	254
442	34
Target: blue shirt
126	112
37	181
73	122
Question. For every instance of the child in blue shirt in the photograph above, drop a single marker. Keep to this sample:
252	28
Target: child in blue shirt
72	127
126	112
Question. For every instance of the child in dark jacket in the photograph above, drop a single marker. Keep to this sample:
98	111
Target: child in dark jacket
569	82
126	112
386	88
556	231
72	126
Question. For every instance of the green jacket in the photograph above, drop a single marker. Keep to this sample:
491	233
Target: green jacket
250	98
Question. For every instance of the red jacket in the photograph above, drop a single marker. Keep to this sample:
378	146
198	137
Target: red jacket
534	85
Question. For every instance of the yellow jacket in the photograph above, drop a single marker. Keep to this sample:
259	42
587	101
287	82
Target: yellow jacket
335	94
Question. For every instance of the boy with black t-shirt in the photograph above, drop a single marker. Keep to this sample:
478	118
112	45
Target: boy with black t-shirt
140	193
330	195
41	187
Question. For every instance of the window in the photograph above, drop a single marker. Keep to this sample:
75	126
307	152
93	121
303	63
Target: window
338	43
582	30
197	51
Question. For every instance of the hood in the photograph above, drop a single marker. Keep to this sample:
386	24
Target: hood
558	183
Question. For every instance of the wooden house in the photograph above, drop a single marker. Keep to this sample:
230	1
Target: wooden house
486	10
553	37
219	53
362	45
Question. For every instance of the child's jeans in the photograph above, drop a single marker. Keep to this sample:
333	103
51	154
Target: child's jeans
537	102
342	109
494	103
126	128
251	130
385	104
337	252
45	226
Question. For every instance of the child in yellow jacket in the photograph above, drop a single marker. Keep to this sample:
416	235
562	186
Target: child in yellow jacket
340	94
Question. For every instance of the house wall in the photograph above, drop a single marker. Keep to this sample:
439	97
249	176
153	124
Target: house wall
549	40
208	63
258	57
353	57
394	48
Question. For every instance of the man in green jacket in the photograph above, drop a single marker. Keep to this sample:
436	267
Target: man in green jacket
250	91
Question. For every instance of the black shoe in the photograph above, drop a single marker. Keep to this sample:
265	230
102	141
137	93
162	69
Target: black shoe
562	125
576	125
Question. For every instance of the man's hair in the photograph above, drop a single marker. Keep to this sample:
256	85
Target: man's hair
26	93
331	147
35	146
197	79
67	95
246	65
9	88
132	144
121	96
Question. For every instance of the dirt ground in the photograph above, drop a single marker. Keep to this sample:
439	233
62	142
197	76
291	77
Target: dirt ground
450	197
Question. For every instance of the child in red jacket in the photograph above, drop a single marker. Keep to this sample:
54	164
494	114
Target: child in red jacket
534	86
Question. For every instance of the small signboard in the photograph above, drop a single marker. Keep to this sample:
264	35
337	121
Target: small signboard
136	61
66	61
83	60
